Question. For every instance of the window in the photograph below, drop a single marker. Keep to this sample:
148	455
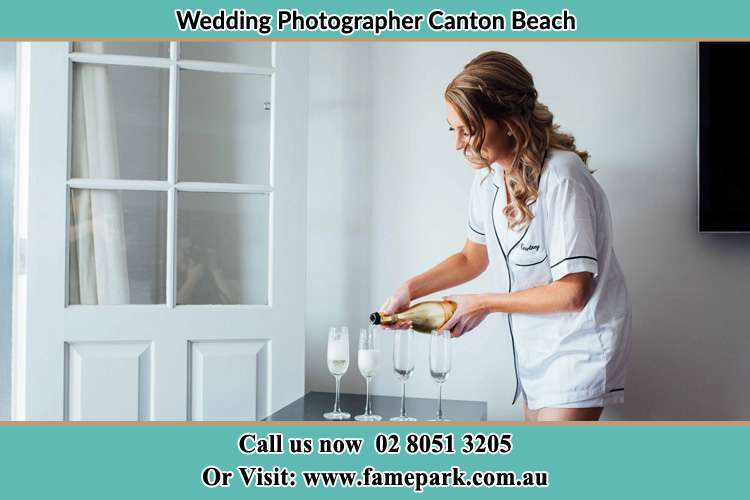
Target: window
170	178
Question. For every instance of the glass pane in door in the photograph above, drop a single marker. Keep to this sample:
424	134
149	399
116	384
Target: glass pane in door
222	248
225	127
148	49
249	53
119	122
116	247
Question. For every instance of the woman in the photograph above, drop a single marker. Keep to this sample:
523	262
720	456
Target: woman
539	219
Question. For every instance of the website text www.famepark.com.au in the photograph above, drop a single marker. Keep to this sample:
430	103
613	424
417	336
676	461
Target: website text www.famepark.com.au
417	480
370	477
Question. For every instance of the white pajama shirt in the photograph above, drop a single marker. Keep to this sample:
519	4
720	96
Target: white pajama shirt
566	359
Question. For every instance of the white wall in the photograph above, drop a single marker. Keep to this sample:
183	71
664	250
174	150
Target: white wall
633	106
338	202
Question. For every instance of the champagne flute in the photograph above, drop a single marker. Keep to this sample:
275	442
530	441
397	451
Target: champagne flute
440	365
368	358
338	363
403	365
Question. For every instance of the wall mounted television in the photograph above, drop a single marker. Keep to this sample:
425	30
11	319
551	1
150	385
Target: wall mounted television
724	137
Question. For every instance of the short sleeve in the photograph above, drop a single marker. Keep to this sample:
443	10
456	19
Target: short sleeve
476	226
570	229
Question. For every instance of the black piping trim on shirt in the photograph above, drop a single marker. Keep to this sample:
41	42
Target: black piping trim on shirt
576	257
535	263
544	159
618	389
510	276
528	204
520	239
524	233
480	234
507	266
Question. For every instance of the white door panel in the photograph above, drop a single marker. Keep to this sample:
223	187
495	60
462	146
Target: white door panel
228	379
108	380
168	361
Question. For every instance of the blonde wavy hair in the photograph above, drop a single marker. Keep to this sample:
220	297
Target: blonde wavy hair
496	86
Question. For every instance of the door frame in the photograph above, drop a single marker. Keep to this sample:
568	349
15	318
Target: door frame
41	292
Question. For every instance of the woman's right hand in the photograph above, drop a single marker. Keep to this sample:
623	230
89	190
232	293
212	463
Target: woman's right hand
397	302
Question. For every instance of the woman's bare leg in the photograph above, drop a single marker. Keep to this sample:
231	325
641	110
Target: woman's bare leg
568	414
529	415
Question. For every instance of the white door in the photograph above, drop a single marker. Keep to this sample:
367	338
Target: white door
166	231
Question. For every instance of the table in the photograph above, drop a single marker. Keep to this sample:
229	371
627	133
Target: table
312	405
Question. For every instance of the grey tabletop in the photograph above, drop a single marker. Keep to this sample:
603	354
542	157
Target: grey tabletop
312	405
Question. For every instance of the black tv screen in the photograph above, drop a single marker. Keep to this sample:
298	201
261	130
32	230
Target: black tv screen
724	136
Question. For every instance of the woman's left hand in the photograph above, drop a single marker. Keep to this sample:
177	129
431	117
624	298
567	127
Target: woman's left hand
470	312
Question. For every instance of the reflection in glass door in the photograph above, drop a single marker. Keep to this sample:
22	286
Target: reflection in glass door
170	175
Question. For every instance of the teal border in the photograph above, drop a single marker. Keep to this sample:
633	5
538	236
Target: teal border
164	461
634	19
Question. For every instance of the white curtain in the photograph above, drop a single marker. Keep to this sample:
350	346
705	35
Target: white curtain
99	268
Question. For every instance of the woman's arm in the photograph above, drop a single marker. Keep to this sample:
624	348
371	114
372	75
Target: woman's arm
568	294
459	268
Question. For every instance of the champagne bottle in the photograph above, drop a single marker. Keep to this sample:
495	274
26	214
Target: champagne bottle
425	316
